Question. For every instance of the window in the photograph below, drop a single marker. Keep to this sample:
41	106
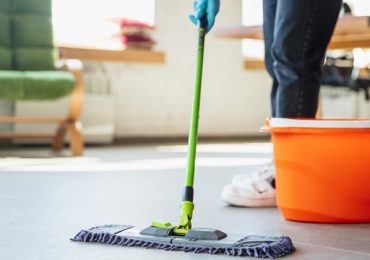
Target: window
87	23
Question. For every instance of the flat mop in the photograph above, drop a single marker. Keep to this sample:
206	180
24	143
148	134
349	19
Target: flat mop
183	237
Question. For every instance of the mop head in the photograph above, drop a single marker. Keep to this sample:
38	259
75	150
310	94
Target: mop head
126	235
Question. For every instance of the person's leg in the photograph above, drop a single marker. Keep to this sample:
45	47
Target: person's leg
269	13
295	45
302	32
256	189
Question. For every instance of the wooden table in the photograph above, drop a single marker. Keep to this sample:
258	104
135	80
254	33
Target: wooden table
115	55
350	32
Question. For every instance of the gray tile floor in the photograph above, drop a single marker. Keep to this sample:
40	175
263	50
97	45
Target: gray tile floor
45	199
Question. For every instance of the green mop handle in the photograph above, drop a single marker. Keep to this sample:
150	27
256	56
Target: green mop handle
193	131
187	205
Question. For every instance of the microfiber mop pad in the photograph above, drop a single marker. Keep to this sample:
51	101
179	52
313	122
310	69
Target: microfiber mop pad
126	235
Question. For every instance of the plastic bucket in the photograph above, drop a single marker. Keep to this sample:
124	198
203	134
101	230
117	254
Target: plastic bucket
322	169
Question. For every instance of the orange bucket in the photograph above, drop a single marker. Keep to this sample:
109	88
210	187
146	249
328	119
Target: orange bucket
322	169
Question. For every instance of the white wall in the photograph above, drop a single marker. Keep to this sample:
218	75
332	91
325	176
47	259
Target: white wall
155	100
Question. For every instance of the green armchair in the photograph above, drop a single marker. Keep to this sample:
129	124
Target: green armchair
28	70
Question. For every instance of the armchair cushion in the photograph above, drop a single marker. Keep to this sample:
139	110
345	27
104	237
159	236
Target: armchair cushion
32	30
30	52
26	31
34	58
47	84
32	6
5	59
4	5
4	29
11	85
37	85
6	62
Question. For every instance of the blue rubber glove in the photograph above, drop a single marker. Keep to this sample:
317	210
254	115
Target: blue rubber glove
205	8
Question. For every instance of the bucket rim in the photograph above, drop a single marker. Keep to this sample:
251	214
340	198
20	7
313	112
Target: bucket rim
318	123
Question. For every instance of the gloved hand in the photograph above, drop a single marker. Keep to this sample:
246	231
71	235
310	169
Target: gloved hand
205	8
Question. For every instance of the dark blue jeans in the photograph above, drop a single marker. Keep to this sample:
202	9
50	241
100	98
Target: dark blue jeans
296	34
